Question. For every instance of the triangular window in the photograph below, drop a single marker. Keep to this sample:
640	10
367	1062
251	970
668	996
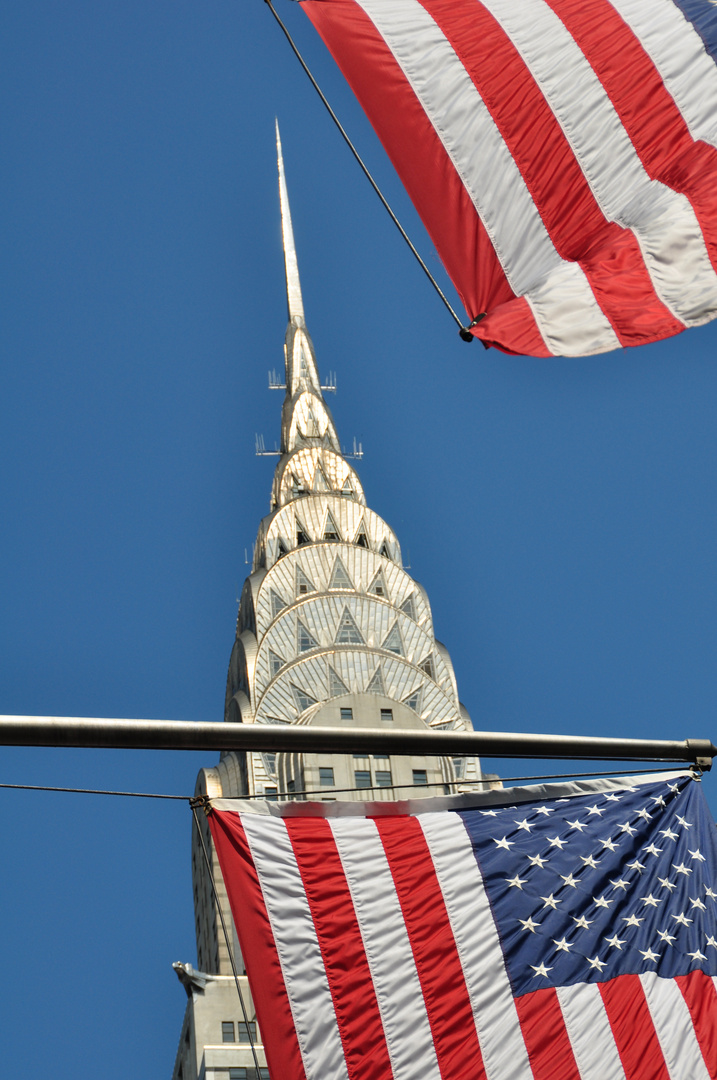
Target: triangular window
303	700
304	584
304	639
409	606
302	364
375	686
337	686
339	577
302	537
331	531
428	666
297	486
281	548
378	585
383	550
276	663
348	632
320	481
277	604
348	488
393	640
361	540
414	700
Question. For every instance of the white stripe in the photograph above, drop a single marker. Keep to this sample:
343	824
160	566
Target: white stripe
388	950
297	946
675	1031
678	53
663	220
562	301
589	1032
496	1018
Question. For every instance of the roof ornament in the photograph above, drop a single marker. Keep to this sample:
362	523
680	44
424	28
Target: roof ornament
294	300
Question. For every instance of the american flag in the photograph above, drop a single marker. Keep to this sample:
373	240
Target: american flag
561	153
567	932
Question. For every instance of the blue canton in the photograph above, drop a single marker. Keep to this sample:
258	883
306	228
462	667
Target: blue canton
590	887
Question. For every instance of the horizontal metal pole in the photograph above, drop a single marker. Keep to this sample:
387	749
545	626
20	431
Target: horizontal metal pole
295	738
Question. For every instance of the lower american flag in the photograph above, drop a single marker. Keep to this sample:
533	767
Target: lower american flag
566	932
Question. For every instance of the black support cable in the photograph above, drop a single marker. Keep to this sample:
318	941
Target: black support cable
226	936
464	331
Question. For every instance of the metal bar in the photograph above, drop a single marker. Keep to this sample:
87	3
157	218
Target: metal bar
184	735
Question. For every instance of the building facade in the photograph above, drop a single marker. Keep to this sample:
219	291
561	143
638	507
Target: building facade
331	630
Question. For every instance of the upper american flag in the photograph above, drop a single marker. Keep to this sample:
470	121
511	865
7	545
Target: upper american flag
567	931
561	153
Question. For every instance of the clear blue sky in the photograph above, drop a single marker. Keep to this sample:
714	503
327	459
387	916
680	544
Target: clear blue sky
560	513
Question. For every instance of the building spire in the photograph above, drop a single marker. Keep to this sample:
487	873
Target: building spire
293	285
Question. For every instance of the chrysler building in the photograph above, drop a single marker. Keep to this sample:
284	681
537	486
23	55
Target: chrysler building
331	631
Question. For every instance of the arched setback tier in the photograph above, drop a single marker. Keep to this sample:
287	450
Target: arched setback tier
313	518
318	470
306	421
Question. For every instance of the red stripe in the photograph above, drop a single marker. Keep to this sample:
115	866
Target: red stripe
609	255
342	950
647	110
633	1030
434	949
424	167
258	947
700	994
546	1037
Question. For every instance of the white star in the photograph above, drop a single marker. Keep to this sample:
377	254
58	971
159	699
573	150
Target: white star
550	901
541	969
668	834
524	825
712	895
595	810
583	922
537	860
650	901
632	920
600	901
627	828
590	860
555	841
528	924
610	844
697	955
669	938
636	866
685	824
595	963
674	787
619	884
711	941
649	954
697	855
505	843
563	945
666	884
489	813
658	800
644	814
682	920
516	882
613	798
682	869
573	882
615	942
698	904
652	850
577	825
545	810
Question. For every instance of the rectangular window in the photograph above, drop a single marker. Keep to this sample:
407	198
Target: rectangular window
387	716
227	1031
326	776
263	1074
362	778
238	1074
291	785
246	1030
419	776
380	757
270	792
347	714
383	777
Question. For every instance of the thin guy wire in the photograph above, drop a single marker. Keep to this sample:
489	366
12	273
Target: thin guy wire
226	938
359	159
94	791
